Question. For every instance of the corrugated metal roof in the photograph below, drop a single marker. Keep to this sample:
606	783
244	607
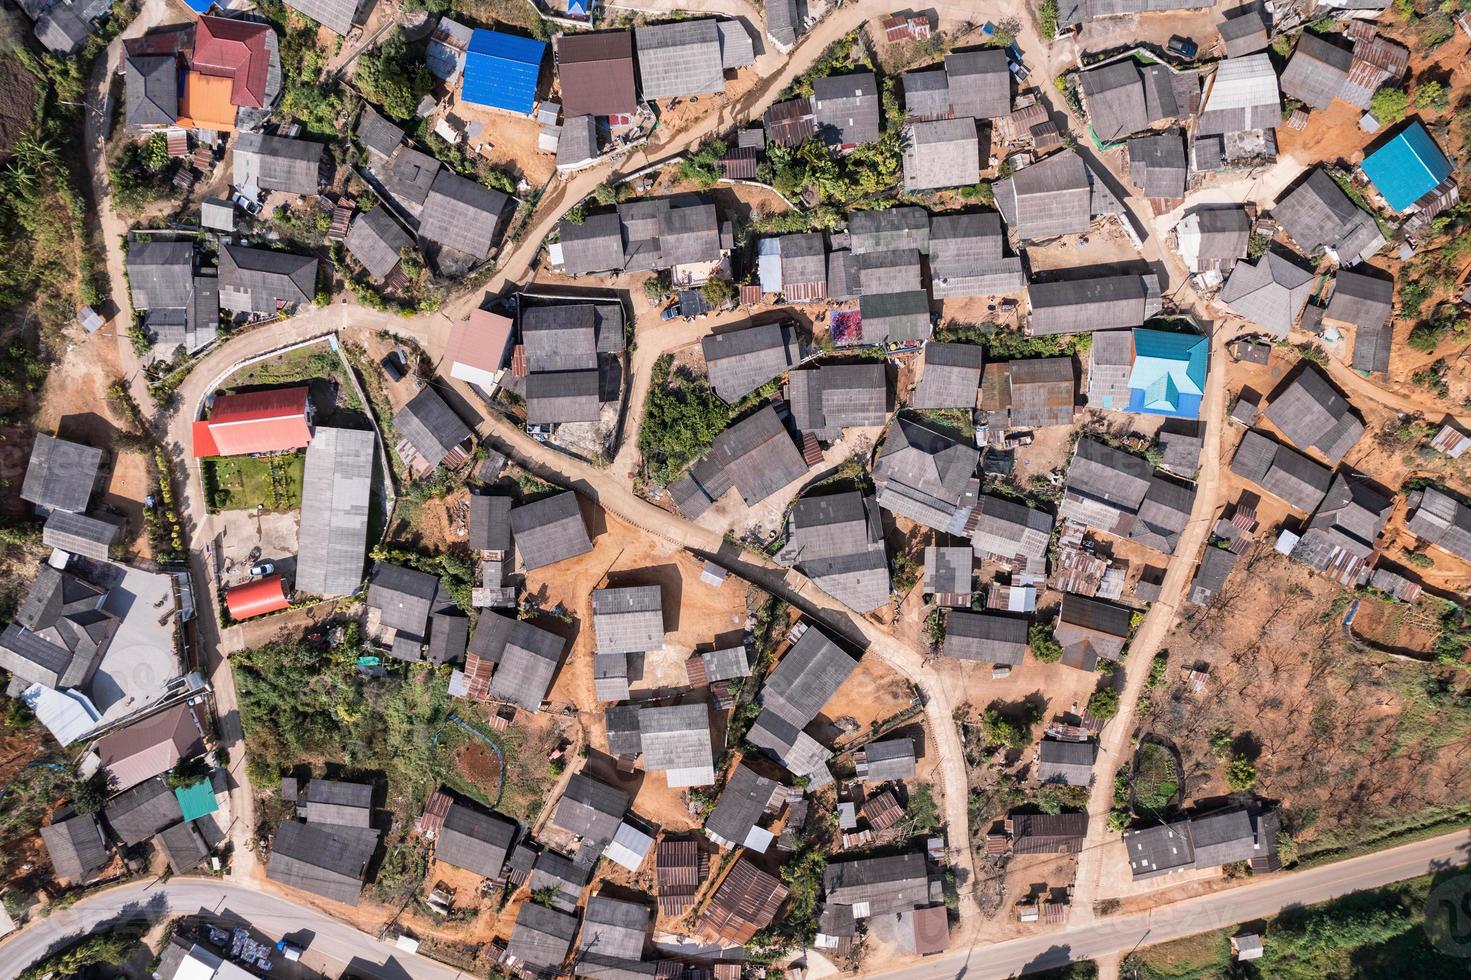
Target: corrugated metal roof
501	71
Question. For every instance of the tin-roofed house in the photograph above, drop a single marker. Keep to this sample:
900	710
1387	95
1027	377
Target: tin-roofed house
1320	217
1159	168
1316	72
1244	30
1281	471
1030	392
745	903
893	303
1210	240
740	361
1441	519
1012	532
1066	763
1099	303
540	940
463	216
338	16
794	694
1311	413
1364	301
846	108
336	492
967	257
76	847
941	153
474	839
951	378
377	241
1270	292
926	476
984	638
1407	168
595	73
837	541
1046	199
676	741
978	83
611	944
680	59
525	658
628	620
886	759
877	886
756	456
431	434
1242	96
1089	630
1341	538
549	530
1105	487
889	230
275	163
590	810
141	811
60	475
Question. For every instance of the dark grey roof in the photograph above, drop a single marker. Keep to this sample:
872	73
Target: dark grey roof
591	809
1101	303
323	859
689	234
924	475
847	108
541	938
1311	413
430	426
927	94
885	884
160	273
75	845
449	632
612	940
256	280
1341	536
980	83
578	143
895	315
182	847
151	86
60	474
549	530
740	361
951	378
1281	470
1316	71
888	229
967	257
336	15
475	840
941	153
1007	530
1244	30
1222	234
1163	514
1442	520
403	596
676	739
377	133
553	397
628	620
742	804
490	522
803	259
1105	473
860	581
624	736
1360	299
594	244
679	59
949	570
1048	198
826	399
336	487
758	455
807	676
891	758
560	337
1089	629
1318	215
984	637
799	752
275	163
375	240
331	801
60	632
842	275
831	525
1157	164
1270	293
1070	763
526	658
462	214
1210	575
408	174
782	21
79	534
138	813
1114	96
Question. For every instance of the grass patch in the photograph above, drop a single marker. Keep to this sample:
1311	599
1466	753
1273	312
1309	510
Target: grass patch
1376	835
954	422
1200	957
247	482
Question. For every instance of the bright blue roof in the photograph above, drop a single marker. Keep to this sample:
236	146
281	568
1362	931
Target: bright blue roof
199	6
1168	375
501	71
1407	167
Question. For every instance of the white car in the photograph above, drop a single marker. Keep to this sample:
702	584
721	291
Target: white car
262	569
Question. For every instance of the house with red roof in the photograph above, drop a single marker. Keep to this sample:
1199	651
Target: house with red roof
233	49
249	423
478	346
256	598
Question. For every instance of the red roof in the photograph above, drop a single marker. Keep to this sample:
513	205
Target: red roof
255	422
479	342
264	595
234	49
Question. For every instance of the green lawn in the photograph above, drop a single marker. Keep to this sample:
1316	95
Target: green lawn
246	482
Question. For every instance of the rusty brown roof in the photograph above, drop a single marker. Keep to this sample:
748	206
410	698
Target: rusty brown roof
745	902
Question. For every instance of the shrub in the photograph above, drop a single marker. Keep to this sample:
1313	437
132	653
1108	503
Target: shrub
1420	560
90	795
1012	732
934	627
718	292
701	166
1388	105
1044	645
1240	774
1047	13
1104	703
187	773
682	417
1432	95
656	287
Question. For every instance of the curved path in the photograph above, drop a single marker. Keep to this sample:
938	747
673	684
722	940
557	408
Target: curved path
334	947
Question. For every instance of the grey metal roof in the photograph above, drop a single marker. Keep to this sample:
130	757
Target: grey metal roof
803	259
560	337
896	316
431	426
336	15
1069	763
1221	234
403	597
375	240
594	244
758	455
151	90
1114	96
1048	198
621	722
462	214
1281	470
676	738
490	522
740	361
60	632
275	163
336	490
827	399
883	884
1007	529
923	474
526	658
737	50
330	801
847	108
1343	532
889	229
160	273
628	620
1316	71
613	935
138	813
949	570
689	234
1089	629
860	581
579	141
562	396
76	848
1360	299
927	94
449	632
1311	413
941	153
256	280
984	637
1243	95
474	839
952	375
806	678
1442	520
1101	303
60	474
549	530
980	83
1317	215
1270	293
891	758
741	806
1244	30
79	534
408	174
566	878
782	21
541	939
967	257
800	753
1033	391
1101	472
378	134
679	59
1163	514
831	525
591	809
1210	575
1157	164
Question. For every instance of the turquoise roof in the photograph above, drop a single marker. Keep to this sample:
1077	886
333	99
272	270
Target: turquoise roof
1168	375
198	800
1407	167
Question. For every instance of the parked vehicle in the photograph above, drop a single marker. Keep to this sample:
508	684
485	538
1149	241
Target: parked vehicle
1183	47
394	365
669	312
292	953
263	569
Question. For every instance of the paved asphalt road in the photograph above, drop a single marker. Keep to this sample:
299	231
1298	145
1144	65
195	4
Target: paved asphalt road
336	947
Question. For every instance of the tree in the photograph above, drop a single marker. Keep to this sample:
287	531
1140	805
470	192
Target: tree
604	194
924	814
656	287
545	896
1104	703
718	292
1044	645
1431	95
1012	732
1240	774
387	75
188	772
1388	105
90	795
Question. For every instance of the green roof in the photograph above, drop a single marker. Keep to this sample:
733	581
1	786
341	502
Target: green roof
198	800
